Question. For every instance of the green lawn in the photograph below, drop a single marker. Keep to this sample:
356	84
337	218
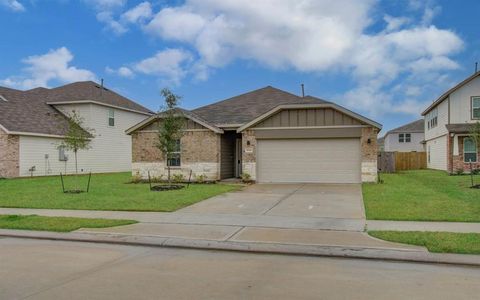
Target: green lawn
442	242
424	195
107	192
60	224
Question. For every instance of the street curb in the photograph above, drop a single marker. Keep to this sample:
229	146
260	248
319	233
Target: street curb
415	256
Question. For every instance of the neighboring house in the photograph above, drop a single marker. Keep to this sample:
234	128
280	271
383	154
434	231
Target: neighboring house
406	138
272	135
381	144
33	122
448	122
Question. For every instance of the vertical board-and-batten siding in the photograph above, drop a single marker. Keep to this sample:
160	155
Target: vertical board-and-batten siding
307	118
111	149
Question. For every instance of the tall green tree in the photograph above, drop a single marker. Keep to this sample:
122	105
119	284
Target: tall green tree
78	137
170	127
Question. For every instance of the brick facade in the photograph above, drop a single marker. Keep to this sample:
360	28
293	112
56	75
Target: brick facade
249	150
456	162
200	153
9	155
369	149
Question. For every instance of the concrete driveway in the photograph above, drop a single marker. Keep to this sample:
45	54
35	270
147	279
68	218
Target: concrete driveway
343	201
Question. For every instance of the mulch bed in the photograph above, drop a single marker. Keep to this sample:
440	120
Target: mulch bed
476	186
161	188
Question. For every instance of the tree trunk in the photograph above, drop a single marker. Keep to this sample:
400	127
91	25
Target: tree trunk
76	170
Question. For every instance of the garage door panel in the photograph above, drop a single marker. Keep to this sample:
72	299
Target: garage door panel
309	160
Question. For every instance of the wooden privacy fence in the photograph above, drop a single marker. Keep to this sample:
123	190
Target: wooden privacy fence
389	162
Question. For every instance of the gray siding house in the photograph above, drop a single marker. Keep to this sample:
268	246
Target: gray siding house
269	134
407	138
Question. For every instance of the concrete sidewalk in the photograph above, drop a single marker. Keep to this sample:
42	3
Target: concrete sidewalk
201	219
461	227
336	224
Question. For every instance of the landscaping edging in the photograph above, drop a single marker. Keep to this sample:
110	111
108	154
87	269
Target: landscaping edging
415	256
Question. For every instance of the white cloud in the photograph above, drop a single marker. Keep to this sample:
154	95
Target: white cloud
122	71
52	66
115	26
13	5
169	64
395	23
106	4
106	11
141	12
314	36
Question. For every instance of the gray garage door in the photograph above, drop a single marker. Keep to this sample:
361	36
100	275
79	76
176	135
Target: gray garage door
309	160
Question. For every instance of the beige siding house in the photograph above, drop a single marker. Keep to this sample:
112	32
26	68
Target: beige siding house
33	122
448	122
271	135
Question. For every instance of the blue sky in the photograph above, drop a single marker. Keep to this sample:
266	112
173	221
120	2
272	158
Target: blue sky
384	59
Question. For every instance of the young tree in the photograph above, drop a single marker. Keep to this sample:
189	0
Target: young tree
475	133
170	128
77	138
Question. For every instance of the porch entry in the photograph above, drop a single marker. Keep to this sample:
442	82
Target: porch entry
231	155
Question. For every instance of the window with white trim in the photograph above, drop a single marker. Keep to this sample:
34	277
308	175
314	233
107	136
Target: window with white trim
476	108
111	117
432	118
174	159
404	137
469	150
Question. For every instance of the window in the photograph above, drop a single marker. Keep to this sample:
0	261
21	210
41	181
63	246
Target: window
404	137
476	108
111	117
175	157
432	118
61	154
469	150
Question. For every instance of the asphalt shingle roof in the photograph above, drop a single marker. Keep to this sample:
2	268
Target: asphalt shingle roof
28	111
415	126
246	107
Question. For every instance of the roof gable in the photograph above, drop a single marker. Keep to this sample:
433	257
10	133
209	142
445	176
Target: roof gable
333	106
447	93
187	114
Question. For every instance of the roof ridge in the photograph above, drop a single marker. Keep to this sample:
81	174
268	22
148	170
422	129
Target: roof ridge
243	94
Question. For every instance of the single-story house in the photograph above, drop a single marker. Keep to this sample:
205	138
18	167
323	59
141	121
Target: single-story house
407	138
269	134
33	124
448	122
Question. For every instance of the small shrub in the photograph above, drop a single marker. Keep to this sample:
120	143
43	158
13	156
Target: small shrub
157	179
459	171
201	178
177	178
246	177
476	171
137	178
